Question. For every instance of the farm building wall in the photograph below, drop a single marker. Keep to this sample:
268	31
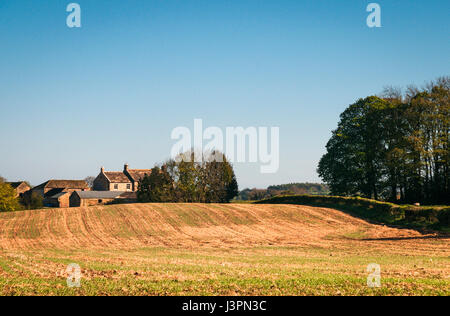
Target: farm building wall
64	200
101	183
74	200
124	187
93	202
51	202
58	201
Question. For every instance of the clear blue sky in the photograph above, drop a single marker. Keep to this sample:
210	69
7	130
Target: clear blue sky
111	92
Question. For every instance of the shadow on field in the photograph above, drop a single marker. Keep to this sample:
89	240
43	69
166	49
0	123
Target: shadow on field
386	221
407	238
378	218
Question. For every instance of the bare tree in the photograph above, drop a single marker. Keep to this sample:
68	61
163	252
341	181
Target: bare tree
393	93
90	181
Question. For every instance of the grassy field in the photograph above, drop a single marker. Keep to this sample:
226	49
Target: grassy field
194	249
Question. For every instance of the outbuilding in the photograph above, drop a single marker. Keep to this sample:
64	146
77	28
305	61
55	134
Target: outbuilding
20	187
91	198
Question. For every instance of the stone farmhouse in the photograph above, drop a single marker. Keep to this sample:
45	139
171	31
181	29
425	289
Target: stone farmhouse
20	187
109	187
122	181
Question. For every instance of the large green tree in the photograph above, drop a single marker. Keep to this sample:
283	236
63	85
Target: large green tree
156	187
183	180
32	200
394	148
218	179
353	162
8	198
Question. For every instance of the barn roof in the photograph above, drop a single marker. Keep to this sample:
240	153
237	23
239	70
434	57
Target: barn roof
98	194
64	184
116	177
53	192
57	196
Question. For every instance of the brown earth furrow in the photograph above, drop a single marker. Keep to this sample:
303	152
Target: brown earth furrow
205	225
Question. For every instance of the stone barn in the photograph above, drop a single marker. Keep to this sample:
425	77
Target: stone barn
58	200
53	191
91	198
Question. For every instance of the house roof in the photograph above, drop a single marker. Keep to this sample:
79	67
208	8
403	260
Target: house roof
63	184
15	185
98	194
57	196
53	192
116	177
138	174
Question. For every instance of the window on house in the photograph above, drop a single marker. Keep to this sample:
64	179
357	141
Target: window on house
100	201
128	186
116	187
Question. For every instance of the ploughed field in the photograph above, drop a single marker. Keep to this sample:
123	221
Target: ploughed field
215	249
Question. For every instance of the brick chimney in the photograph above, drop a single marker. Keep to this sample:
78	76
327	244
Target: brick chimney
125	168
102	169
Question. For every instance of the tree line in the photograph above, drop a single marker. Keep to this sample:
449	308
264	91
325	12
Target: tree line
183	180
393	147
283	189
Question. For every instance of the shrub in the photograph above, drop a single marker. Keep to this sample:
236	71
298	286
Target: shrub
8	198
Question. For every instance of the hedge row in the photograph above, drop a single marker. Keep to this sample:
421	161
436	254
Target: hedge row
434	217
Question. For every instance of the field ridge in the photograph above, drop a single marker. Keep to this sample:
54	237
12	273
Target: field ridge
215	249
